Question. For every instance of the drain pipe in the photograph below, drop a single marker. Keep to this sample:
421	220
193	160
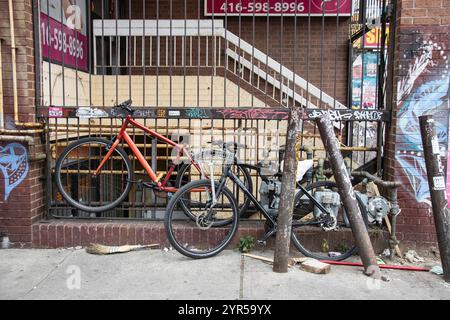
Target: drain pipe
30	141
26	139
14	73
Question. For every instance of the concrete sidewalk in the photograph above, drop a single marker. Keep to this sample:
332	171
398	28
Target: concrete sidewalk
156	274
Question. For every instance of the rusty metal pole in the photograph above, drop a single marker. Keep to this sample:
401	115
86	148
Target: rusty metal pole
284	220
436	182
348	197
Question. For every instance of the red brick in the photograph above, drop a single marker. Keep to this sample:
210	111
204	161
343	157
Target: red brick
52	236
116	234
43	235
60	236
148	234
36	236
84	236
68	239
76	235
140	234
123	234
100	234
131	235
109	234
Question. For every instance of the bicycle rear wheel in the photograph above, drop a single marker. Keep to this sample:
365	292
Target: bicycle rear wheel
213	227
74	175
309	230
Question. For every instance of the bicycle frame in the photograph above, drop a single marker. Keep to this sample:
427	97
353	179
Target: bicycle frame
229	174
123	135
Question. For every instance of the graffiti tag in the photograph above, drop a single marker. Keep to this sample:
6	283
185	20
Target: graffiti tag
347	115
88	112
261	113
14	166
196	113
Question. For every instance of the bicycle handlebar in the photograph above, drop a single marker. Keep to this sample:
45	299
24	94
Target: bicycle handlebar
230	146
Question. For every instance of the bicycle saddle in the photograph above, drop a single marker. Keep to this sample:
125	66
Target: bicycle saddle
126	105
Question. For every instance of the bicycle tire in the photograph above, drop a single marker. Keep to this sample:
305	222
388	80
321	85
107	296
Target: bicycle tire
169	216
75	203
302	248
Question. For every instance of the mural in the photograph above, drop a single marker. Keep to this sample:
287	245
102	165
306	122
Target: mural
14	166
423	90
448	172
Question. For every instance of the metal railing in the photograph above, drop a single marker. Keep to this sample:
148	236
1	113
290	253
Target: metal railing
201	77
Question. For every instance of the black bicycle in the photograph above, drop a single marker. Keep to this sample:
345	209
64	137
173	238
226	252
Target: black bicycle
320	228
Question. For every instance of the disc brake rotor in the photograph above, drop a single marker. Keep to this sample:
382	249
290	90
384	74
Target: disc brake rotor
330	224
203	221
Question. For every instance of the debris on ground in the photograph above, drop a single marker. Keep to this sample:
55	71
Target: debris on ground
315	266
412	257
96	248
264	259
437	270
291	261
435	252
386	253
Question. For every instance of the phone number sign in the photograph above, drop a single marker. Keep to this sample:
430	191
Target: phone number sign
62	44
278	8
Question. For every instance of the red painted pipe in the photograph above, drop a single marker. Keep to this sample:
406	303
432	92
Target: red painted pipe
382	266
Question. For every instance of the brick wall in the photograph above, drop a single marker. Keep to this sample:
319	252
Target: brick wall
421	85
23	204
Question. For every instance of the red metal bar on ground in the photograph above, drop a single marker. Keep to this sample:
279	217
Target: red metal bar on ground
382	266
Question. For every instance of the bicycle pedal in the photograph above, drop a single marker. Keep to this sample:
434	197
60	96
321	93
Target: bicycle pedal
262	243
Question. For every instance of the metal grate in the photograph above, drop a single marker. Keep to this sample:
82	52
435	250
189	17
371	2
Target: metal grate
207	76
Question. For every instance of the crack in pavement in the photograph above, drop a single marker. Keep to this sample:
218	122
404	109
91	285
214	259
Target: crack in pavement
241	279
46	276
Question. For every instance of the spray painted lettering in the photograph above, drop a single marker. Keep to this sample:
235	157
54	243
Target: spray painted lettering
261	113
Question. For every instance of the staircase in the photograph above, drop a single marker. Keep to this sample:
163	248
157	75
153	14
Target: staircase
191	44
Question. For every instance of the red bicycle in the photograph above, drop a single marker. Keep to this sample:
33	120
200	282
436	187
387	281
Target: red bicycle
95	174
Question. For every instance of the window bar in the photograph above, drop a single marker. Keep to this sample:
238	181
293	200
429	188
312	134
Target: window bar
172	54
184	54
116	13
129	48
225	57
252	73
103	53
143	62
63	54
281	55
198	53
240	73
213	60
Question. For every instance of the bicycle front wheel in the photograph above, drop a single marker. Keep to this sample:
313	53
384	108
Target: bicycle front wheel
310	232
75	180
214	225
